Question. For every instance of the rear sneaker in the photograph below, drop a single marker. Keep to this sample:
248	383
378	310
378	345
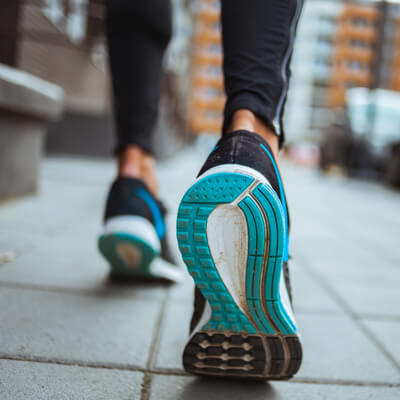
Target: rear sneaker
134	238
232	230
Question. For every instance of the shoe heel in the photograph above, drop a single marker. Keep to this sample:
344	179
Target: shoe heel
129	244
248	331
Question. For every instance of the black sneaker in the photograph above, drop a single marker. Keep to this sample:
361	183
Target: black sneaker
134	235
232	230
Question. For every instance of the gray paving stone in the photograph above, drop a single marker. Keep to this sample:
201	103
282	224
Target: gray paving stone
343	256
184	291
372	299
174	334
346	209
365	287
70	260
19	241
388	333
334	347
192	388
38	381
79	171
56	203
97	328
307	294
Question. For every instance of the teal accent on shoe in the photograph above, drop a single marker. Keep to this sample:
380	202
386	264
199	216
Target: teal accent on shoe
284	205
256	229
197	204
110	246
272	208
212	151
159	222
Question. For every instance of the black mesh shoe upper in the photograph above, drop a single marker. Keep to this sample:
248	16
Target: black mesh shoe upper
130	196
198	307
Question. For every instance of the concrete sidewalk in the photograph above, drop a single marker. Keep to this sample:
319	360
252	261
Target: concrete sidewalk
66	332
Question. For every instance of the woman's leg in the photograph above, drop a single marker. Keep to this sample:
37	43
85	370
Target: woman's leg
258	38
138	33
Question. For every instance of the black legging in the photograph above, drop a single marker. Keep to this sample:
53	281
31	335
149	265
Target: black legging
257	38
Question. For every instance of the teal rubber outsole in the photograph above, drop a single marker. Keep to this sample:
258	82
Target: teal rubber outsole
265	321
126	267
194	210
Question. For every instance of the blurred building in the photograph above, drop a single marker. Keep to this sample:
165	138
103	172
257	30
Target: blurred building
206	95
395	78
354	54
366	50
62	41
391	58
51	39
306	110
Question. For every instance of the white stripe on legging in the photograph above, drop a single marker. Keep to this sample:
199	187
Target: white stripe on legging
277	119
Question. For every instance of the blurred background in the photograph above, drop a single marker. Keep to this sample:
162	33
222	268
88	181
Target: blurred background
342	114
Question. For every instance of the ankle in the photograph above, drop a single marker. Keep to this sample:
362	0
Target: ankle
246	120
133	162
129	161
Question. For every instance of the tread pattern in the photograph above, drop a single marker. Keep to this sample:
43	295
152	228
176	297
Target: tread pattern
108	246
216	353
239	356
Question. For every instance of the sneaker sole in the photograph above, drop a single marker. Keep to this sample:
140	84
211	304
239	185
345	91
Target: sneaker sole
127	255
132	248
129	244
247	330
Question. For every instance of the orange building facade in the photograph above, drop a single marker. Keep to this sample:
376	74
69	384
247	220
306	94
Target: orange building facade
356	51
395	75
206	94
353	55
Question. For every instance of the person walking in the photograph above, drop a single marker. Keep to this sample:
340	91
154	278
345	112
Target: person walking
233	222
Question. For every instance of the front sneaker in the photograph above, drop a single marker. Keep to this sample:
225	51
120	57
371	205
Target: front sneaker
134	240
232	230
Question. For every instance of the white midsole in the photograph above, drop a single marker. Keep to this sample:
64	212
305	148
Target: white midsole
136	226
162	268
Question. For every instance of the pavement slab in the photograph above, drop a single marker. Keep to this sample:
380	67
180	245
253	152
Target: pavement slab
388	334
39	381
193	388
99	329
334	347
